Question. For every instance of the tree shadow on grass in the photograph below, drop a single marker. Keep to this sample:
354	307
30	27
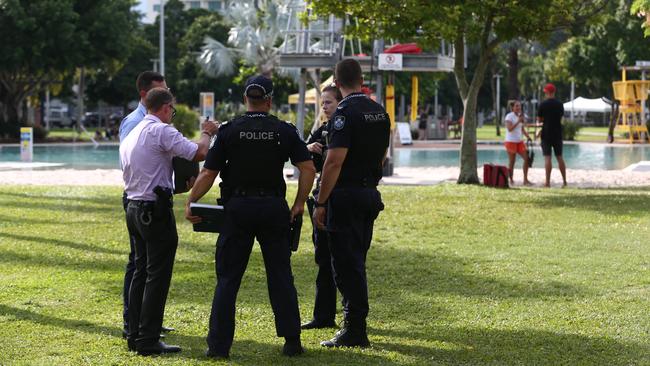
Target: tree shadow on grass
610	204
103	199
244	351
62	243
78	207
22	220
422	272
49	320
251	352
480	346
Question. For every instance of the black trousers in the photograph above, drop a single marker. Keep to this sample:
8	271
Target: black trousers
350	220
154	231
128	274
325	301
267	220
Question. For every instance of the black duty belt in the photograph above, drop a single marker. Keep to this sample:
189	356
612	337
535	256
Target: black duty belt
257	192
362	183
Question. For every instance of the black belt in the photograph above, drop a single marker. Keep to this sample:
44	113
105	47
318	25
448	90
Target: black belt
257	192
136	204
363	183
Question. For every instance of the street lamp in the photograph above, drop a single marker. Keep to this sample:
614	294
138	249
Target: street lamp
162	37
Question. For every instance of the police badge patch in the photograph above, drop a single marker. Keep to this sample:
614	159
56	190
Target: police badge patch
339	122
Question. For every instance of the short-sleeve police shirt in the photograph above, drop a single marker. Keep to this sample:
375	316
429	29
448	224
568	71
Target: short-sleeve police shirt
250	151
363	127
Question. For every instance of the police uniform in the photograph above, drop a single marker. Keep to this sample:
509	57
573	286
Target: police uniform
363	127
250	152
325	302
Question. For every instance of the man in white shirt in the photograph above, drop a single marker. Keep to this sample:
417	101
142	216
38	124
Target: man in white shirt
146	158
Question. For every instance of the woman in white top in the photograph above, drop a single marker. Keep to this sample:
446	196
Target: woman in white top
515	121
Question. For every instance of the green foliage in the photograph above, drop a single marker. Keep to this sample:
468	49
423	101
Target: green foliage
642	8
457	275
570	130
476	22
186	120
40	133
593	57
41	40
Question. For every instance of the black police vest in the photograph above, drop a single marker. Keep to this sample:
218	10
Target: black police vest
255	154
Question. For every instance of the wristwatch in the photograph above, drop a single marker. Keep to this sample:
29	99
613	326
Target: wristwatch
316	204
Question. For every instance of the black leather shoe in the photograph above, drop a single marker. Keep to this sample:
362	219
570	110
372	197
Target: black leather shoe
292	347
314	324
165	329
347	337
157	349
131	344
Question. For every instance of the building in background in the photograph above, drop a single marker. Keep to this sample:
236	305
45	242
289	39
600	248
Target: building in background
151	8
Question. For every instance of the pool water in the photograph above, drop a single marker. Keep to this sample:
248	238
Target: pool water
577	156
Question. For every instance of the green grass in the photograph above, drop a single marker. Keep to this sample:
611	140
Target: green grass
586	134
458	275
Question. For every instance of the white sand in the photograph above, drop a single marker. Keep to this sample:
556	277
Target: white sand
403	176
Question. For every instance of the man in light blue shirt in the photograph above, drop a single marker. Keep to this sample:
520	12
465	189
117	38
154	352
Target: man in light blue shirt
145	82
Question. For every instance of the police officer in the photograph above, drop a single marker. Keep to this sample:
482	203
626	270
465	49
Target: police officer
146	158
325	302
359	132
249	153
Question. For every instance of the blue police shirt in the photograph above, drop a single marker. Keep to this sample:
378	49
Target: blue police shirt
132	120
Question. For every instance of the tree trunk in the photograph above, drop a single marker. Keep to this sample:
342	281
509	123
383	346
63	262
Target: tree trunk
468	158
513	72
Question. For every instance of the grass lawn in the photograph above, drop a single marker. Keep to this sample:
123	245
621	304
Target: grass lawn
458	275
586	134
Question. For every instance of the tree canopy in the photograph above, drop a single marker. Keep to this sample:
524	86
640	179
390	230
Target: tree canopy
485	23
44	40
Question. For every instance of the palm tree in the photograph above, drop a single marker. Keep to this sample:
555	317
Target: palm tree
254	37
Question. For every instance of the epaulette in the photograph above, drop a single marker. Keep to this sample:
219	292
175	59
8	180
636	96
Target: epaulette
224	125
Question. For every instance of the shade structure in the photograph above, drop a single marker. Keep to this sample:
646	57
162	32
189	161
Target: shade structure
580	104
310	95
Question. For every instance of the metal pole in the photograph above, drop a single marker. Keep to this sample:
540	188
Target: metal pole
643	102
162	37
573	93
47	108
300	115
497	99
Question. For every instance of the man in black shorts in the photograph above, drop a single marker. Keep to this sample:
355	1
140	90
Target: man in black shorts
550	115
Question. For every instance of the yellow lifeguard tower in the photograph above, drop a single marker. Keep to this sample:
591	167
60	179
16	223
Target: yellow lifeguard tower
631	94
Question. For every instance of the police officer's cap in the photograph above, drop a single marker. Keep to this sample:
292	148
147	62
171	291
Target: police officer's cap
259	87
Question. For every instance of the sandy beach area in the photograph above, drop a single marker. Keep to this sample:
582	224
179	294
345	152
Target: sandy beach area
402	176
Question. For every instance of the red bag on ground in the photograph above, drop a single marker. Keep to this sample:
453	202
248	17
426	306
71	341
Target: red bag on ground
495	175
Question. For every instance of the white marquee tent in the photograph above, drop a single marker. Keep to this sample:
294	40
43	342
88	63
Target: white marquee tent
581	105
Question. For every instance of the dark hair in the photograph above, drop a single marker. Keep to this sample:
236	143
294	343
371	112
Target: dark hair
348	73
156	98
334	90
145	79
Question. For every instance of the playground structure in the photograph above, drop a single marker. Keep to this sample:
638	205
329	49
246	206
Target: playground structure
321	43
631	96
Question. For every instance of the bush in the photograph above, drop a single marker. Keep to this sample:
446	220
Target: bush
186	120
570	130
40	133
